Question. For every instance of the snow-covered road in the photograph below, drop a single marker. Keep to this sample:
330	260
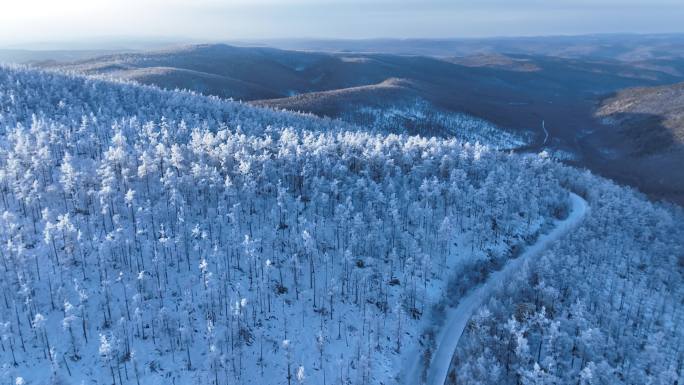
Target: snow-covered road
457	318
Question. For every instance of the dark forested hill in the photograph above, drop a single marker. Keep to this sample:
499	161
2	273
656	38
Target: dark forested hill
646	127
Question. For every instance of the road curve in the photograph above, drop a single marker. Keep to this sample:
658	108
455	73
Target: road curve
457	318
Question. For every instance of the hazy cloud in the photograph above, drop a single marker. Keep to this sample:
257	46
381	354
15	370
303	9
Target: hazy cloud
26	20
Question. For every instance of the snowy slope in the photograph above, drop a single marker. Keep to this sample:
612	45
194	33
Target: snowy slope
164	237
418	116
601	307
458	317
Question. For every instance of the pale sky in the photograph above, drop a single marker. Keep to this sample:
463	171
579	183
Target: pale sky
24	21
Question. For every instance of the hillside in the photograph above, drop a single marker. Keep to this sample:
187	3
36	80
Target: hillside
396	106
595	309
206	83
653	118
28	56
235	72
339	101
646	127
222	70
623	47
152	236
168	236
491	87
534	102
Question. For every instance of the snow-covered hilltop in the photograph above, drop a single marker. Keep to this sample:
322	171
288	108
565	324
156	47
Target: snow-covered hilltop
160	237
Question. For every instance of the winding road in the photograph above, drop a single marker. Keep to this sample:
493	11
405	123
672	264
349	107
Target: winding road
457	318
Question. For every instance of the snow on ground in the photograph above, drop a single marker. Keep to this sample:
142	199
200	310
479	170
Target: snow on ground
168	238
425	118
457	318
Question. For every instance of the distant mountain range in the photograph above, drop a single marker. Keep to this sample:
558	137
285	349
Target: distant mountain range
508	89
624	47
551	87
653	117
27	56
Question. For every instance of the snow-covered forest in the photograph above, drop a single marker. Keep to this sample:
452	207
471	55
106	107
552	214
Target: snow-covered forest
419	117
164	237
605	306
